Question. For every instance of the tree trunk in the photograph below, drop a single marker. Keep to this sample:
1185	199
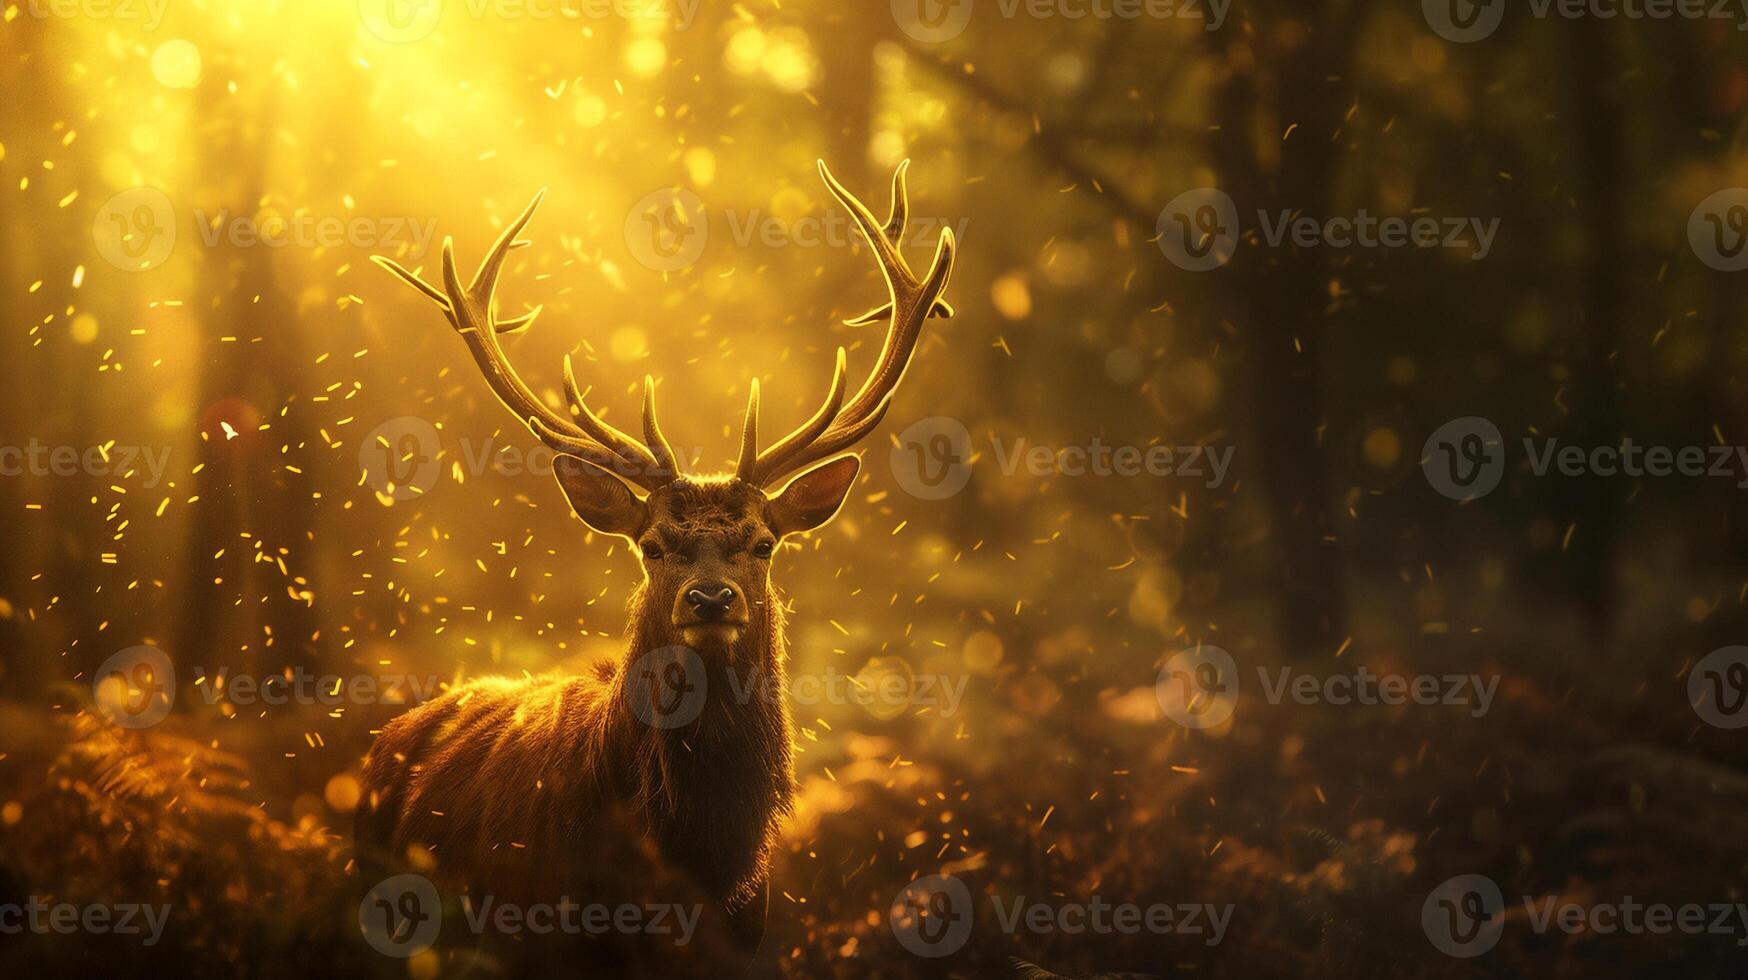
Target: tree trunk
1278	298
1591	505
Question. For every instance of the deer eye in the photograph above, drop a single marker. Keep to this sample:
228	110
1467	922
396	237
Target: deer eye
651	551
764	549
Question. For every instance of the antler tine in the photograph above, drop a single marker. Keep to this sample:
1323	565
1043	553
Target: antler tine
593	426
898	212
472	311
485	280
771	461
747	467
652	433
910	303
412	279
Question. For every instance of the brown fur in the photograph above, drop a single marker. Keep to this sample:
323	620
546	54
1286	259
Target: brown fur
542	787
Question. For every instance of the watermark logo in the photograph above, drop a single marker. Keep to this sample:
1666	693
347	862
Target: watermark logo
1198	688
936	21
668	687
830	228
1718	230
1467	21
1198	230
885	686
1464	459
42	917
136	687
1100	917
1463	21
401	916
302	229
1368	689
1717	687
135	230
36	459
1208	464
401	21
407	21
404	458
932	458
149	14
666	230
399	458
298	686
1464	916
932	21
576	919
932	916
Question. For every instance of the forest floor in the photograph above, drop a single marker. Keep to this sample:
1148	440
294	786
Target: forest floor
1315	832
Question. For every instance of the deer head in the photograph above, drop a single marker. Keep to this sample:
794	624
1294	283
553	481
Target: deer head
706	541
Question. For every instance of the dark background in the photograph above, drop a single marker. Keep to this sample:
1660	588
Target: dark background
1057	141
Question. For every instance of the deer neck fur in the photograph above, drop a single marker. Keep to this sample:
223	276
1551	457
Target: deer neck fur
712	791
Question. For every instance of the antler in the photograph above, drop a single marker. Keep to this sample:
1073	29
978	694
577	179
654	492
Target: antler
911	301
472	311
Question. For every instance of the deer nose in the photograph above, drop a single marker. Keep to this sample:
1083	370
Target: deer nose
711	599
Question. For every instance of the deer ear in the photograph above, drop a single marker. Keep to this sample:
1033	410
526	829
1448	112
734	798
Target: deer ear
813	498
601	499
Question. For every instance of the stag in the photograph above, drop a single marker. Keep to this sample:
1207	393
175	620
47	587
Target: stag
539	786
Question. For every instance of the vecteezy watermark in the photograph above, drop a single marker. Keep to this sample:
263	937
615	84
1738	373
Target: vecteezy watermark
1464	917
406	21
668	687
829	229
299	686
402	916
1208	464
1464	458
936	21
1717	687
42	917
886	686
932	459
933	916
300	229
402	458
667	229
137	230
36	459
149	14
1467	21
1718	229
1199	231
135	687
1199	688
680	922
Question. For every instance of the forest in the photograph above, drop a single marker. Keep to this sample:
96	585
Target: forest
1316	545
